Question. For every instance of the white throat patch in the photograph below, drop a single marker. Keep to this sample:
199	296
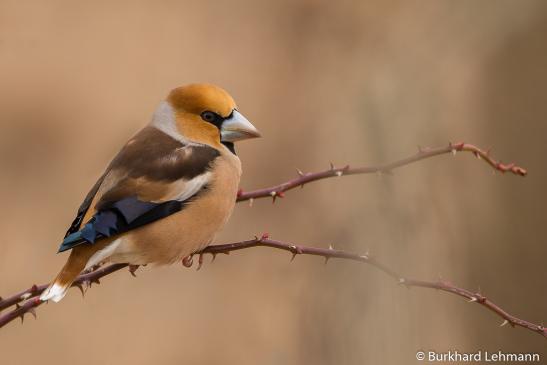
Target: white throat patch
164	120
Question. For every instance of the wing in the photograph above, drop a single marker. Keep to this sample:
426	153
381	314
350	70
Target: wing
152	177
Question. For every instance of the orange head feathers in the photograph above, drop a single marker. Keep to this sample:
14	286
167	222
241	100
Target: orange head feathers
207	114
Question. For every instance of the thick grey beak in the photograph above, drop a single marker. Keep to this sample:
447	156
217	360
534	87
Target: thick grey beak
237	128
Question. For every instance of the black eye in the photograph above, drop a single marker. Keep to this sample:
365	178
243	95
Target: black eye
209	116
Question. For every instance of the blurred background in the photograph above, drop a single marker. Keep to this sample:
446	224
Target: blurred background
352	82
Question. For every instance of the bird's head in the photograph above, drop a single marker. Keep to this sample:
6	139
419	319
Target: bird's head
203	113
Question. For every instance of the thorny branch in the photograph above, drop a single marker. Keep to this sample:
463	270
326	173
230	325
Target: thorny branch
30	297
278	191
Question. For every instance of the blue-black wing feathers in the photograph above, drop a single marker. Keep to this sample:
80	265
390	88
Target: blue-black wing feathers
120	217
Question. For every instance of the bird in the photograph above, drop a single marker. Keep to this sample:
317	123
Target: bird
167	192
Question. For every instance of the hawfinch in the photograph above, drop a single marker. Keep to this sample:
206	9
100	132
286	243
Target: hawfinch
167	193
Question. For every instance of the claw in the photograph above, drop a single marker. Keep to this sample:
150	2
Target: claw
187	261
132	269
200	261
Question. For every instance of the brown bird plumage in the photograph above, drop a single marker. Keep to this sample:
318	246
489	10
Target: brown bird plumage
183	158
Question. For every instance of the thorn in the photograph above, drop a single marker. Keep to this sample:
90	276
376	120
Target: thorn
251	202
33	312
79	286
25	296
132	269
187	261
299	172
327	258
402	281
95	281
365	257
296	251
213	257
420	149
277	194
477	155
473	299
331	166
338	173
331	248
453	152
264	236
504	323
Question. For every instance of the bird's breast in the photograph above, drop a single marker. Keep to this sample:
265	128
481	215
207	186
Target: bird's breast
193	228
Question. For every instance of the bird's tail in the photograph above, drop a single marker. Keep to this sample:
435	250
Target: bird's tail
73	267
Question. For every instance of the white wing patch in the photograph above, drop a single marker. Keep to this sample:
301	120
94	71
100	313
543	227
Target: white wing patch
191	187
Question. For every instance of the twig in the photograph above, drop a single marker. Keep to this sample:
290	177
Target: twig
327	253
30	299
304	178
278	191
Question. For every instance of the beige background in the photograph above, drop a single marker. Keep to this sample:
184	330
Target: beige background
356	82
